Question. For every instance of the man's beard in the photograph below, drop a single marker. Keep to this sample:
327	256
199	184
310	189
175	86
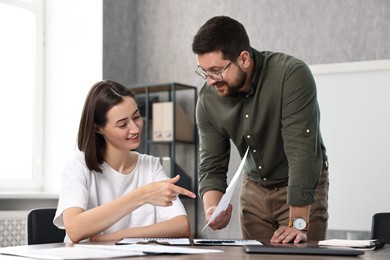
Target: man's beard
234	88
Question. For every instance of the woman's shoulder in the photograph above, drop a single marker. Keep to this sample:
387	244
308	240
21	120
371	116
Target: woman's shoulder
147	158
146	161
77	156
150	168
77	160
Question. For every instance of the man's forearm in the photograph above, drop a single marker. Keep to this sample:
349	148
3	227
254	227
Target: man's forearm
300	212
211	198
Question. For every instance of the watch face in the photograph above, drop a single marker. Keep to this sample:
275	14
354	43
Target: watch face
299	223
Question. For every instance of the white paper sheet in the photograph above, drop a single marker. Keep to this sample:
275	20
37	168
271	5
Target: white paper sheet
226	198
88	251
155	249
69	252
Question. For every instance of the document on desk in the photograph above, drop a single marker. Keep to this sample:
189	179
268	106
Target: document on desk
69	252
226	198
98	251
153	249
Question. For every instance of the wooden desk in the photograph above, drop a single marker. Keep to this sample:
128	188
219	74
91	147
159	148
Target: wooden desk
232	252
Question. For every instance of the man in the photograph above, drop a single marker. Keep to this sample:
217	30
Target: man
265	101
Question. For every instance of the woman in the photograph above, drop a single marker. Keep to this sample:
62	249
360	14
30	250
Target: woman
109	191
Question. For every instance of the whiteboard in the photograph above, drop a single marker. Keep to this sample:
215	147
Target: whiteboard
354	100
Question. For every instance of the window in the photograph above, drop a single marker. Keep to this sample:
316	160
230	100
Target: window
21	66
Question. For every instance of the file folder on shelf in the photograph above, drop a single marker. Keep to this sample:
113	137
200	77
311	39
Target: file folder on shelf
162	124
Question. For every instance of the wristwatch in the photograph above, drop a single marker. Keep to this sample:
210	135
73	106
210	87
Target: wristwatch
299	223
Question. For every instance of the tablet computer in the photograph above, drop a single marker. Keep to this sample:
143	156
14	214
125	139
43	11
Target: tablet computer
305	250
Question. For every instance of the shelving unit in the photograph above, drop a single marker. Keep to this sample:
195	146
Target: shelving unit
182	154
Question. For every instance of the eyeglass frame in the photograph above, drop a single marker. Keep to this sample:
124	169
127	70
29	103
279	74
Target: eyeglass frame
205	74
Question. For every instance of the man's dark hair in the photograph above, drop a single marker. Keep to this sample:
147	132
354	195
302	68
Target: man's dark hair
222	34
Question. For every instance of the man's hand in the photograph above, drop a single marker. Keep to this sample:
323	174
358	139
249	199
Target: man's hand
288	234
222	220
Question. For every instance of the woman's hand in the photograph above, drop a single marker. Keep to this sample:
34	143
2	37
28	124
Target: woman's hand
162	193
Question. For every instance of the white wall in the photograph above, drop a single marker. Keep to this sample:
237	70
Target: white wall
73	64
354	99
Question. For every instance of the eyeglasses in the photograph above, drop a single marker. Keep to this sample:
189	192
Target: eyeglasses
214	75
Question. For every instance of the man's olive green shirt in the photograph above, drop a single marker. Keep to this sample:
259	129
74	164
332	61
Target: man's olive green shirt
279	120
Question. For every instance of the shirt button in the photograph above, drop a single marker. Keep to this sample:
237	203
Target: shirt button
260	167
254	150
248	136
246	116
307	130
264	179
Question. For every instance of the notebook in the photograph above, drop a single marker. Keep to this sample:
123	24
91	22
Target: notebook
258	249
371	244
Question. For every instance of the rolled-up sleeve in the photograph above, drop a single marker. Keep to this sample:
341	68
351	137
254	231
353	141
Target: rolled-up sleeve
301	135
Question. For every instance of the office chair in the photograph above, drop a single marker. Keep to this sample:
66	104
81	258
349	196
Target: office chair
380	228
40	227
